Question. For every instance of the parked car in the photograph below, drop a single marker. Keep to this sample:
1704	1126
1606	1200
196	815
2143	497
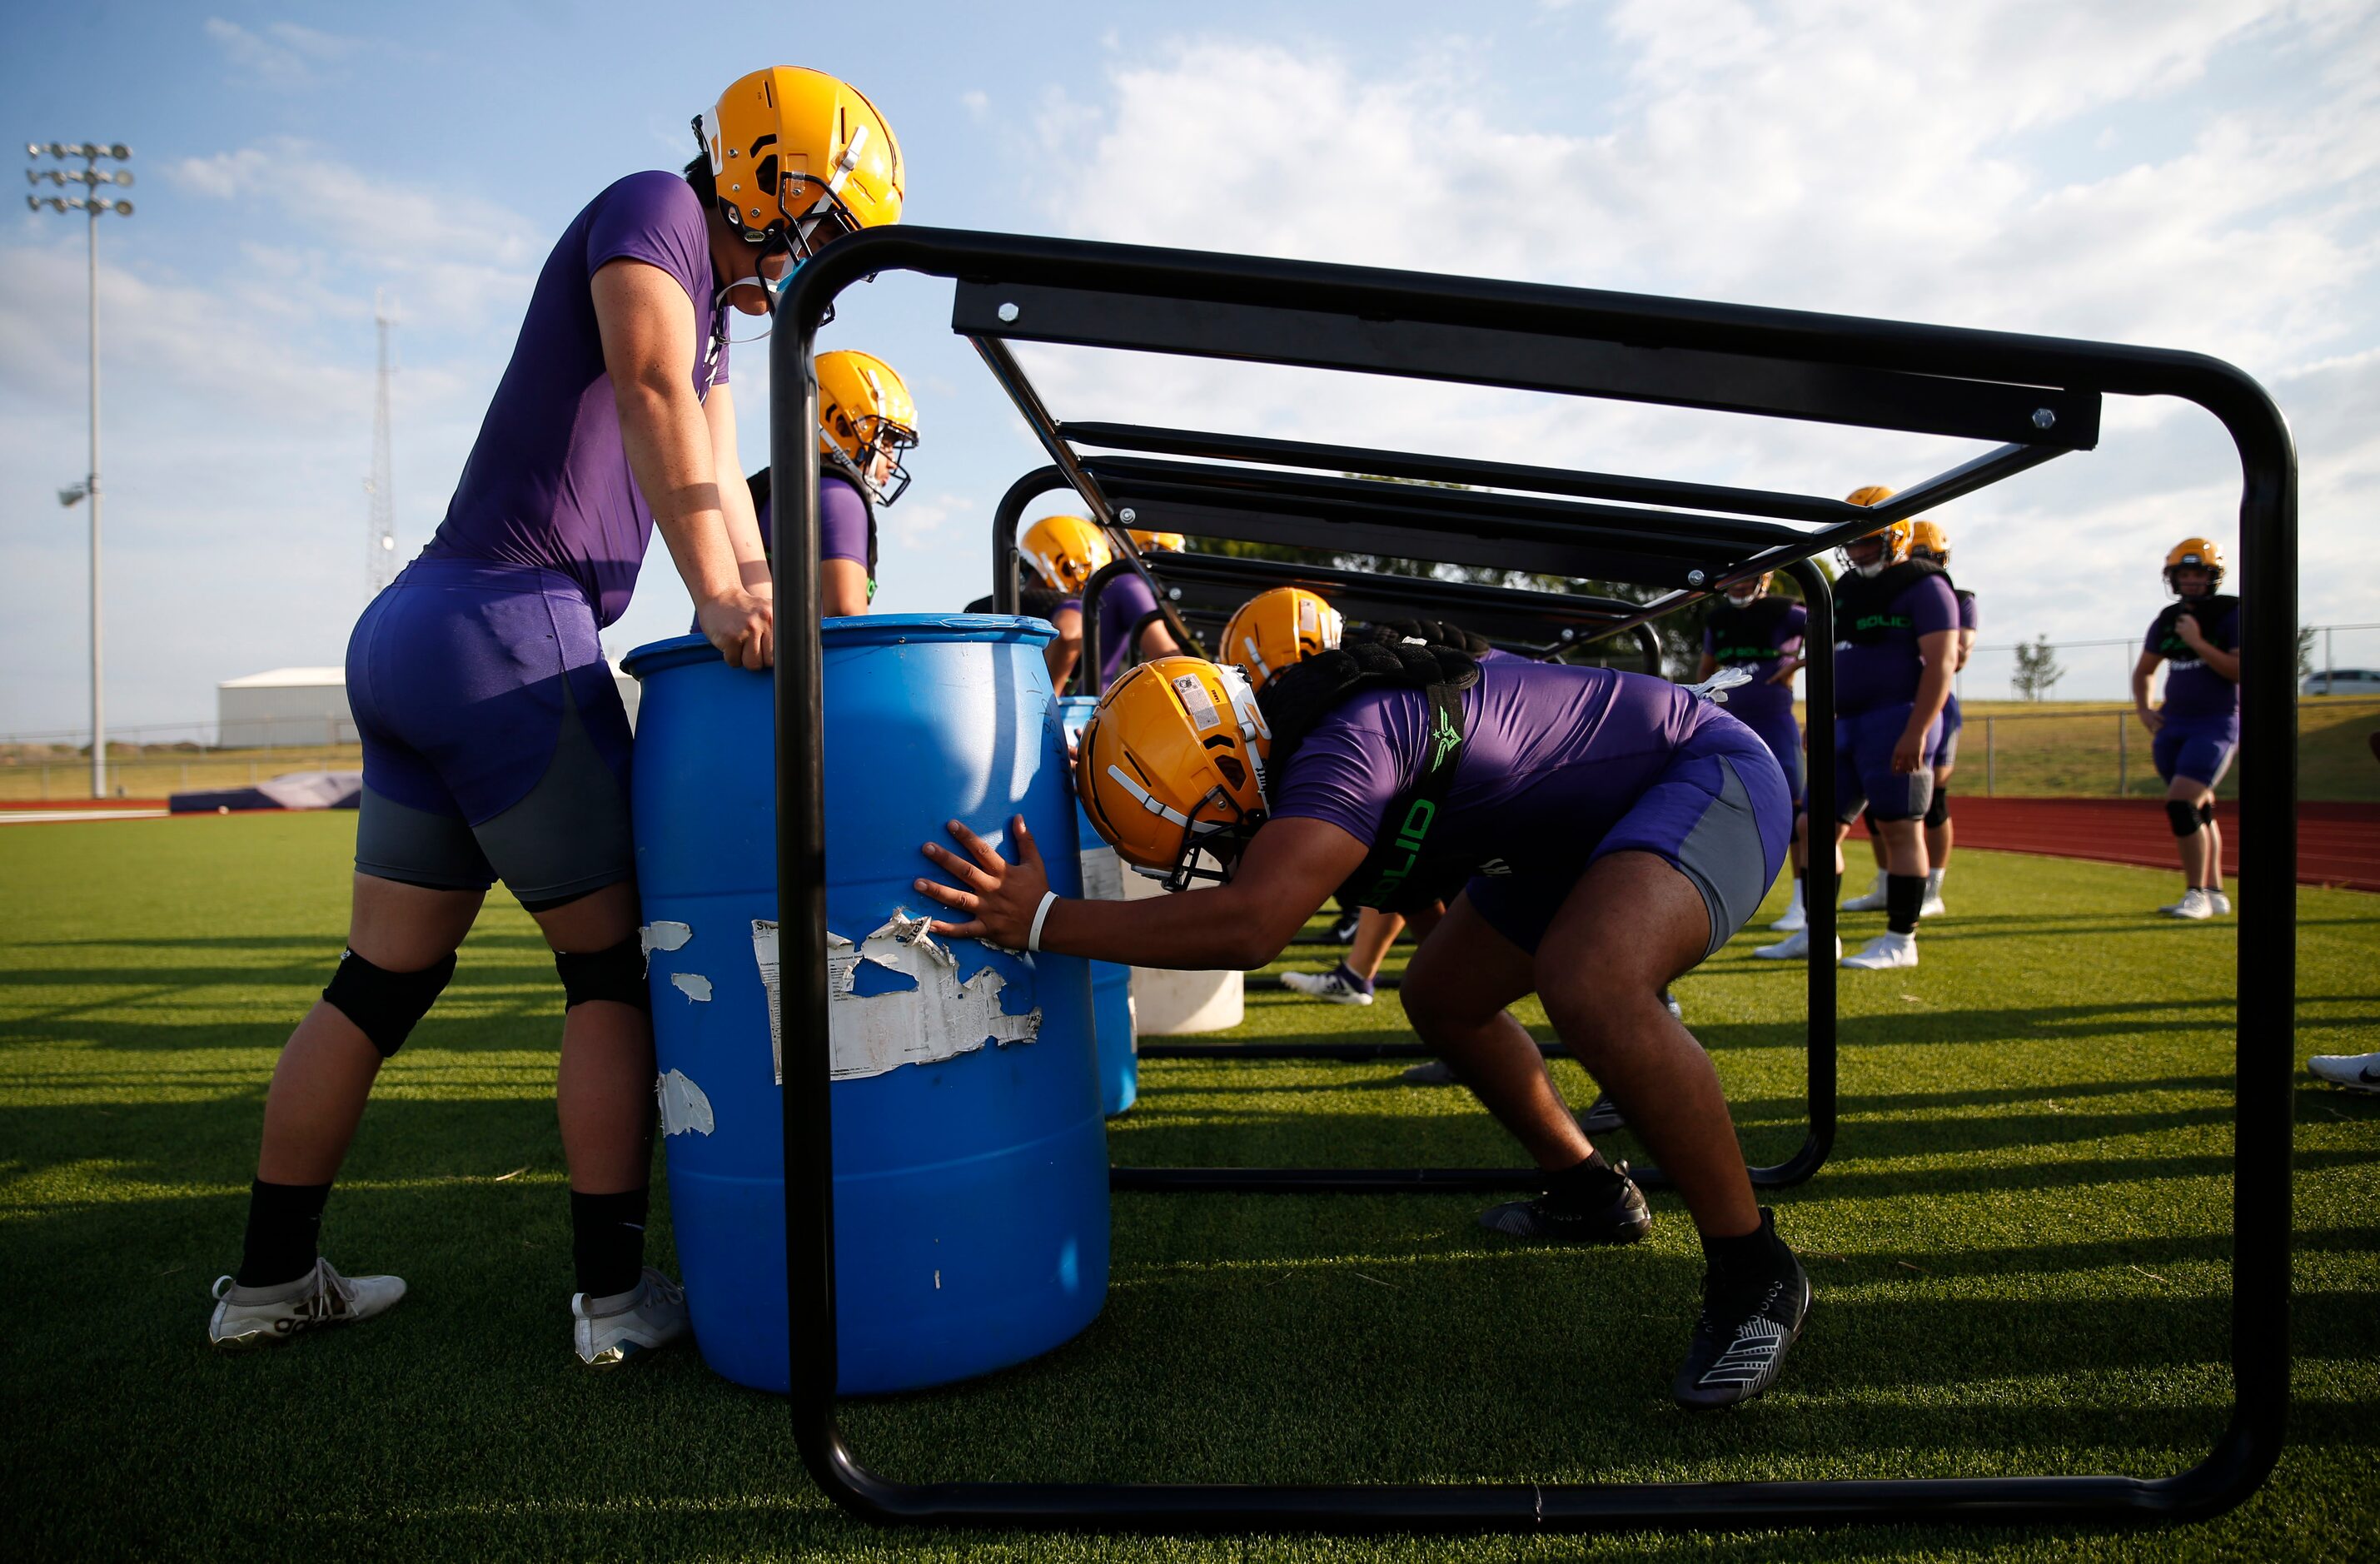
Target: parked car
2344	681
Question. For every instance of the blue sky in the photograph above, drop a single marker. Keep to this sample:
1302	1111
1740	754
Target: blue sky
2193	176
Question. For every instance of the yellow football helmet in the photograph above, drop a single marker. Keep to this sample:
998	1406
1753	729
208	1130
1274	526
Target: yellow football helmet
864	414
1276	629
2202	551
1067	551
1162	542
1894	534
1171	764
802	154
1743	592
1928	541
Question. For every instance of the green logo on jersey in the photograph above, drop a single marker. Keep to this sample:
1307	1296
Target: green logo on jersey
1447	738
1409	839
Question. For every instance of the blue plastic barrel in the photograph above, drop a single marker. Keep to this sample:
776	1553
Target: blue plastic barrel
1119	1043
970	1154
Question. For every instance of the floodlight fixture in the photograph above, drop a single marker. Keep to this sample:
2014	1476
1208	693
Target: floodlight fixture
72	494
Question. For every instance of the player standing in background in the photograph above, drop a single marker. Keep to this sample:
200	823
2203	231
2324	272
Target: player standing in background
1896	631
1928	540
2196	732
1753	630
865	421
1064	553
496	745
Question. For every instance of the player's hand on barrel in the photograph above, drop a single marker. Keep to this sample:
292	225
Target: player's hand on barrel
743	626
999	897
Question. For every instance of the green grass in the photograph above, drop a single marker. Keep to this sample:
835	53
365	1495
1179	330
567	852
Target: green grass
2021	1251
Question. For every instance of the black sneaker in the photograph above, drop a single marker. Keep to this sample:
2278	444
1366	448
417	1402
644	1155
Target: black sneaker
1437	1072
1557	1218
1602	1114
1747	1323
1343	931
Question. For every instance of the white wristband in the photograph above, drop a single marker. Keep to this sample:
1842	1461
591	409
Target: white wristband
1033	935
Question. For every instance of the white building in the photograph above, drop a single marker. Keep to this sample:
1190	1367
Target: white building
308	707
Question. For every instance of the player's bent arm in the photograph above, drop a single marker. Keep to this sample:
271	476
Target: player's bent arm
1289	868
2143	670
1940	649
647	325
734	495
2224	662
1062	654
1156	641
1966	649
842	588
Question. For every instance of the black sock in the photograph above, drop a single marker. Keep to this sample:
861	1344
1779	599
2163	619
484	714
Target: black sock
607	1239
1749	1255
1904	894
1591	1185
283	1223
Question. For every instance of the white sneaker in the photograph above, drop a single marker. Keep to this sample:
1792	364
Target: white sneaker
2218	903
650	1317
1795	948
1796	918
1886	950
2356	1072
1932	906
1332	986
263	1316
1874	900
1669	1002
2193	905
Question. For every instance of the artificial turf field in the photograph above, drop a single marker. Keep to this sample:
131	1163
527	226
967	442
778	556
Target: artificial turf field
2020	1250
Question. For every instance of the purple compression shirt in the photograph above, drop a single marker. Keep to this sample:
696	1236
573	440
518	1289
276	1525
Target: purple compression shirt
548	481
2194	692
1121	602
1552	756
1968	618
1759	701
846	528
1885	672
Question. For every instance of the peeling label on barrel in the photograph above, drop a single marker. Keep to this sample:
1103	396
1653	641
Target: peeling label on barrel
896	998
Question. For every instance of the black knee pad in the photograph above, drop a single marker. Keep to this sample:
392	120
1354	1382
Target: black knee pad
384	1005
2206	813
617	975
1938	812
2185	817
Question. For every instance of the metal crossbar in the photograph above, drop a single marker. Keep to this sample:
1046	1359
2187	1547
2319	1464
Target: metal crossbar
2033	396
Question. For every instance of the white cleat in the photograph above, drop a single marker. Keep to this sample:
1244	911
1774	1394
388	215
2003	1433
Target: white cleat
1331	986
2218	903
1932	906
2193	905
1796	947
649	1315
1796	918
1874	900
266	1317
2356	1072
1886	950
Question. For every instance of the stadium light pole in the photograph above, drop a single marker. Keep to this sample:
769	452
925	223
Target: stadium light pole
94	205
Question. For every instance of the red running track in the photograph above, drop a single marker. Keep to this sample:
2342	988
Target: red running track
2337	843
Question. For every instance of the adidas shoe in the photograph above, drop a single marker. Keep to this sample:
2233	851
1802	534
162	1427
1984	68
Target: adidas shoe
609	1331
1554	1218
1873	902
2193	906
1795	947
1336	986
263	1316
2356	1072
1886	950
1435	1072
1602	1114
1746	1325
2218	902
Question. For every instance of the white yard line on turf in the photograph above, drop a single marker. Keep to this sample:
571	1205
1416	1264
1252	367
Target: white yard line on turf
52	817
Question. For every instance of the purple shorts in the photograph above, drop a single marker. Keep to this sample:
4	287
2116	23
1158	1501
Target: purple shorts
1720	813
1863	775
1783	736
495	746
2199	750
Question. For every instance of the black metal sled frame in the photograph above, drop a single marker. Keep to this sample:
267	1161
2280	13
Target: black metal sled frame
2033	396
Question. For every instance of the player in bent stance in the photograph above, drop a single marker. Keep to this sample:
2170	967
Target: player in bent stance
494	742
1620	830
2196	732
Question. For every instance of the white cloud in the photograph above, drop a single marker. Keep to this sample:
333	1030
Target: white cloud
1923	163
283	55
